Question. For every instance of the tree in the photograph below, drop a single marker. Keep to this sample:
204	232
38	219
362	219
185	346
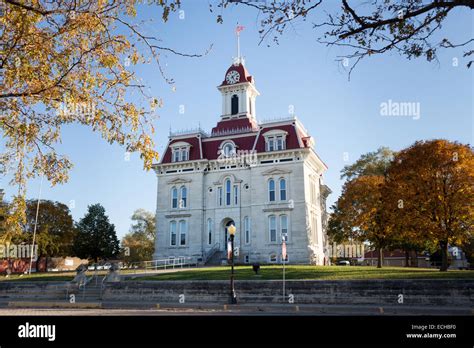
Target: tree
96	238
140	242
71	62
372	163
55	219
360	209
408	28
430	186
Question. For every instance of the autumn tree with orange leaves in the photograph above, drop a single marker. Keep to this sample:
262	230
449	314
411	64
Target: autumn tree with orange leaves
361	208
430	193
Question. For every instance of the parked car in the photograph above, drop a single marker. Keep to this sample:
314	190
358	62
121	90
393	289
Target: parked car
343	263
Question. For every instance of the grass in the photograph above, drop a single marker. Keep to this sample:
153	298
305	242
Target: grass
313	272
275	272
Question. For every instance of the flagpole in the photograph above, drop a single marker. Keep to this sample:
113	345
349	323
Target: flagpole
36	224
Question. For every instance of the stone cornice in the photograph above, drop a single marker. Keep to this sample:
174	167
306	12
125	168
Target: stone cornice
177	215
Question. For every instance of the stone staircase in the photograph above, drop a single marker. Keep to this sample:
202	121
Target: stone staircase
217	258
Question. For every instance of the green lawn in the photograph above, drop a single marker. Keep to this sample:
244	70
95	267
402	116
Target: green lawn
312	272
275	272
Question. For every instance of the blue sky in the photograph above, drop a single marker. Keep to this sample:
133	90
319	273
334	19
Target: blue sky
343	116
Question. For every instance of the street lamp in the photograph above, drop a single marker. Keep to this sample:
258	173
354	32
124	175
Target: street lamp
233	298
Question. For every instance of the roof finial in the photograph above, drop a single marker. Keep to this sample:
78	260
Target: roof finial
238	29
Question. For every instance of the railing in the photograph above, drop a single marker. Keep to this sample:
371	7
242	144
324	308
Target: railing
210	252
233	131
198	130
278	119
155	265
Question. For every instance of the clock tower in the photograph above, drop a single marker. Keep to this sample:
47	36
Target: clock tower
238	93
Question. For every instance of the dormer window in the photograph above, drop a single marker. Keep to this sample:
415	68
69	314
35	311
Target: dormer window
227	149
180	151
275	140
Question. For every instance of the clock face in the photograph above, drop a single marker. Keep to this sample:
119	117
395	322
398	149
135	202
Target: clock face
232	77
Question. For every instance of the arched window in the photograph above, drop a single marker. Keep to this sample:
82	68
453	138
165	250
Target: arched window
227	192
282	189
174	198
209	231
272	228
250	105
183	230
173	233
247	230
228	149
271	190
184	197
234	105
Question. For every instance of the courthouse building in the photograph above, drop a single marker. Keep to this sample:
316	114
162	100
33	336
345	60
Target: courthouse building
264	178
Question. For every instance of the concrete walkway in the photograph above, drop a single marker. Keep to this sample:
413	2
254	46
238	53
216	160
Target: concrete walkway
109	308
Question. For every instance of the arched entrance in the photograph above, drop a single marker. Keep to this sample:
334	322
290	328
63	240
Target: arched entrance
225	224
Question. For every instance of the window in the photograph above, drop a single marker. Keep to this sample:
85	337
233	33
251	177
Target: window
275	140
182	232
236	194
270	144
273	258
219	196
271	190
250	105
246	230
280	142
180	153
174	198
209	231
184	155
176	156
282	189
184	197
227	192
247	259
228	149
234	105
284	227
272	228
173	233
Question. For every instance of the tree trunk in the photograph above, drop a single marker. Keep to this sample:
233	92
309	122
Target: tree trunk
414	261
407	258
444	256
379	258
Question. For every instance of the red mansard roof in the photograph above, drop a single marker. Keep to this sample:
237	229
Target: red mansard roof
239	123
194	152
243	140
291	138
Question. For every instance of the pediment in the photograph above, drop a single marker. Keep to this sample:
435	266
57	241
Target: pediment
177	181
276	171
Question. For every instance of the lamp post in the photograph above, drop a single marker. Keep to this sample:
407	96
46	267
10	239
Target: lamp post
233	298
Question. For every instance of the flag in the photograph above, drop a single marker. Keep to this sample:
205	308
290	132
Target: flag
283	250
229	249
238	29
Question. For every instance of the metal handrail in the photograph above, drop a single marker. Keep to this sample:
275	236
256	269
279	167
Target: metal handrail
162	264
211	252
